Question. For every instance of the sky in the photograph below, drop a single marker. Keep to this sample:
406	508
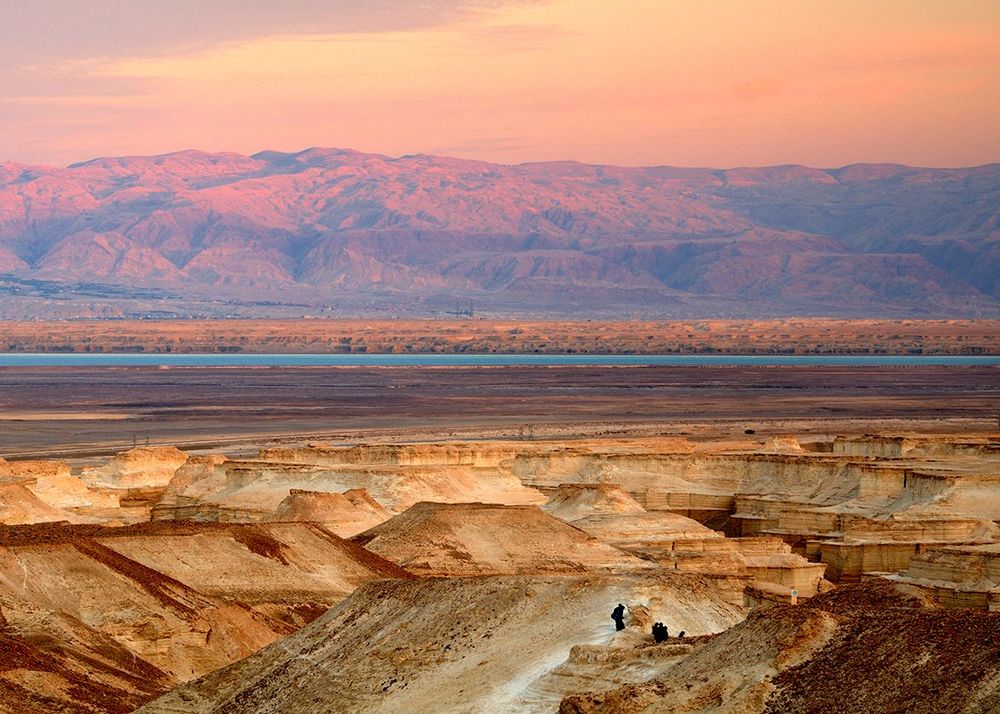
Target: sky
717	83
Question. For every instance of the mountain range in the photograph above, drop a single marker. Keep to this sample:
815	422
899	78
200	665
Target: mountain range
332	232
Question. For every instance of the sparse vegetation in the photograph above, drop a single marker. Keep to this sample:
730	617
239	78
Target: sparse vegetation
751	337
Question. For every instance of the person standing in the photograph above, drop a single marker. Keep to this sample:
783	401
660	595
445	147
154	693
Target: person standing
618	615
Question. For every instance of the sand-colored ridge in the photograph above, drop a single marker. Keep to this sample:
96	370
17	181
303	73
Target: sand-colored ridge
242	490
47	491
18	505
464	644
345	514
141	467
572	501
469	539
179	601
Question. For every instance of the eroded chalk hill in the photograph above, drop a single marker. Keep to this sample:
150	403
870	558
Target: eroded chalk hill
448	644
463	539
99	619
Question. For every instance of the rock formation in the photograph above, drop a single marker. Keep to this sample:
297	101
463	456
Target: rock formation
44	491
141	467
143	608
250	490
485	539
345	514
811	658
484	572
484	644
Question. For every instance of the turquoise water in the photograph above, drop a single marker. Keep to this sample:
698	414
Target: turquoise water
467	360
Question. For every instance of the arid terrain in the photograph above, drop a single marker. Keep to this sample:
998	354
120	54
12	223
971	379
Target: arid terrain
499	356
754	337
100	410
335	232
274	539
808	570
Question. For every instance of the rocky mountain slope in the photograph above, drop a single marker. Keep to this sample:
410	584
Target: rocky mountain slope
865	647
424	646
97	619
329	231
457	645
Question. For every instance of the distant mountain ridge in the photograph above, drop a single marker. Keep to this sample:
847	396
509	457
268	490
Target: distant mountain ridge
332	231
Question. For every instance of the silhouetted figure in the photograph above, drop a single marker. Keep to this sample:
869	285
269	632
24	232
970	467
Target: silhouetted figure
618	615
681	635
660	633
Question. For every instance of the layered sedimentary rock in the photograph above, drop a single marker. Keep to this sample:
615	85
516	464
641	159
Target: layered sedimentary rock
861	648
675	541
858	505
47	491
959	576
19	505
476	644
53	482
573	501
250	490
345	514
146	607
486	539
692	533
873	503
141	467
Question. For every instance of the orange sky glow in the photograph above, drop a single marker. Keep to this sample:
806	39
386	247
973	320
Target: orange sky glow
635	82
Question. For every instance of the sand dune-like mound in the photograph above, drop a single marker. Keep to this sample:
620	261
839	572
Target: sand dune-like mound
345	514
579	500
655	533
141	467
18	505
146	607
611	515
53	482
860	648
466	539
463	644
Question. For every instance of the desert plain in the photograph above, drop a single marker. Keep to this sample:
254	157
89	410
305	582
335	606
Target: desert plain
382	539
475	334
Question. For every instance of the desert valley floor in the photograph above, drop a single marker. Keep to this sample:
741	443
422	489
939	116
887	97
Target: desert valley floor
415	539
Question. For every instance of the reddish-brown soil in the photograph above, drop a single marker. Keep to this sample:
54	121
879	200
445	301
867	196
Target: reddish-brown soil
255	538
86	693
888	657
886	652
257	541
